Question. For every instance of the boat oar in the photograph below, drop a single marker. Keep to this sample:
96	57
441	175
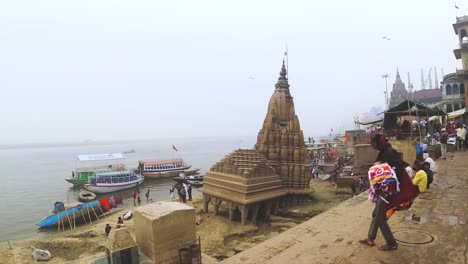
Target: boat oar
58	223
68	218
92	208
84	218
89	215
99	206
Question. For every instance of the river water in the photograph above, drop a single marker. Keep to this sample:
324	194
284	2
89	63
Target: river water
33	177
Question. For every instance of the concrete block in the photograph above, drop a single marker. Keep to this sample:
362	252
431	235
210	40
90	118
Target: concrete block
160	228
364	154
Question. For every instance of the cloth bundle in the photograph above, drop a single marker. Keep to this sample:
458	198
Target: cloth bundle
383	183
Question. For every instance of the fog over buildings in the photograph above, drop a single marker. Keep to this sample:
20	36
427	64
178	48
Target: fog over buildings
105	70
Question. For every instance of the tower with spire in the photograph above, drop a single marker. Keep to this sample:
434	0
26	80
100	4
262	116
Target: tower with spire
281	141
398	93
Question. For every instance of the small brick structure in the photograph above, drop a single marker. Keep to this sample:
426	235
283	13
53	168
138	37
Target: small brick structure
160	228
121	248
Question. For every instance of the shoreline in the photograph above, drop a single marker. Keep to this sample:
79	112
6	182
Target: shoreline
220	239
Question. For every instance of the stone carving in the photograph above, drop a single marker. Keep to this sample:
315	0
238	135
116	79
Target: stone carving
246	182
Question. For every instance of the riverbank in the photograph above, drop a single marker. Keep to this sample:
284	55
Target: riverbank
220	239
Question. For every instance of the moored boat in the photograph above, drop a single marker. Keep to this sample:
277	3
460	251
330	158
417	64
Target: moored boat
86	196
165	168
196	184
113	181
82	212
88	167
184	179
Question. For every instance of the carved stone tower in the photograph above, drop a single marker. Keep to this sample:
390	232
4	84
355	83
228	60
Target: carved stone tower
398	93
281	141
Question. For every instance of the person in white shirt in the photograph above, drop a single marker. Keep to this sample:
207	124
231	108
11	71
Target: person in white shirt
431	162
410	172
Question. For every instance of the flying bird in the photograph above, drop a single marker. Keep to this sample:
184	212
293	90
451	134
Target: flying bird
251	77
384	37
456	6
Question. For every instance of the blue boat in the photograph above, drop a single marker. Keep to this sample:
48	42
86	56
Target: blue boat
79	212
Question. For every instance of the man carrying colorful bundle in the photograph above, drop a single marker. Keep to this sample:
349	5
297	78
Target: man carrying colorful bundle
384	187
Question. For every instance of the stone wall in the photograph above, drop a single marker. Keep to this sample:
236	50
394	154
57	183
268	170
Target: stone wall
364	157
407	148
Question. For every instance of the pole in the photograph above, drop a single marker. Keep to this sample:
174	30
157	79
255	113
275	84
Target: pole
386	76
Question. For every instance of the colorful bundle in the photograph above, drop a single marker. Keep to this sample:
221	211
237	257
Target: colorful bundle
383	182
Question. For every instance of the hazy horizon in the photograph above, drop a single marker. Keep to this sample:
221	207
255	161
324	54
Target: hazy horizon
119	70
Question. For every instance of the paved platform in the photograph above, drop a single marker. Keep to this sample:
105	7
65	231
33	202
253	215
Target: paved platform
434	230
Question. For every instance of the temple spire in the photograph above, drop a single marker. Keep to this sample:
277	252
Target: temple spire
398	78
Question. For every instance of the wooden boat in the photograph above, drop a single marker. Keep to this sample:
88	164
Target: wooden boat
185	179
165	168
113	181
195	184
88	167
86	196
78	213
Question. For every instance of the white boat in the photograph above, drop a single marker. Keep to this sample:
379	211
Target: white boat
91	164
113	181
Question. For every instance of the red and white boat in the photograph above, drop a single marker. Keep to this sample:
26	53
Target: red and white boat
165	168
113	181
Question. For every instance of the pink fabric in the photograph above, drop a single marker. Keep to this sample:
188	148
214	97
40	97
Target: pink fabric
383	182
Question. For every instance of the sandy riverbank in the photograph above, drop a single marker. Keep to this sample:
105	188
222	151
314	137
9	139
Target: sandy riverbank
220	239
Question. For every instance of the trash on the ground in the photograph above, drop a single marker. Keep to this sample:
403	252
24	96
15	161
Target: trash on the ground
39	254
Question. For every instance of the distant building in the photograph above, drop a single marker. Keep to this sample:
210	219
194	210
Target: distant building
461	28
453	93
399	92
429	97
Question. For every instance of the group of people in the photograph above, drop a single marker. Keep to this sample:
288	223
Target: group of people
108	228
399	192
136	196
183	190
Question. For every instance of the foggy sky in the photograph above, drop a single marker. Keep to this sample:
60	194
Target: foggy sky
103	70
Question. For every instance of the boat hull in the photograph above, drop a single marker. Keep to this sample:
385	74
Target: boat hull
168	174
75	212
107	188
76	182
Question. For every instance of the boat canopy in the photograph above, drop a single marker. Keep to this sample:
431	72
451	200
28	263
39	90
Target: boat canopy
96	157
160	162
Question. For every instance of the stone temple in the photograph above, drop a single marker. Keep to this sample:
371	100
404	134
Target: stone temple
276	173
281	141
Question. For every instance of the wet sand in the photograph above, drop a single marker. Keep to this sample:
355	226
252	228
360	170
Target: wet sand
220	239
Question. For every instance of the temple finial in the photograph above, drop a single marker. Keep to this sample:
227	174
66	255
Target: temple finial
283	72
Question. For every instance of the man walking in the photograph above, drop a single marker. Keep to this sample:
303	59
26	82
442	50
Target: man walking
147	195
189	192
443	143
134	196
107	229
